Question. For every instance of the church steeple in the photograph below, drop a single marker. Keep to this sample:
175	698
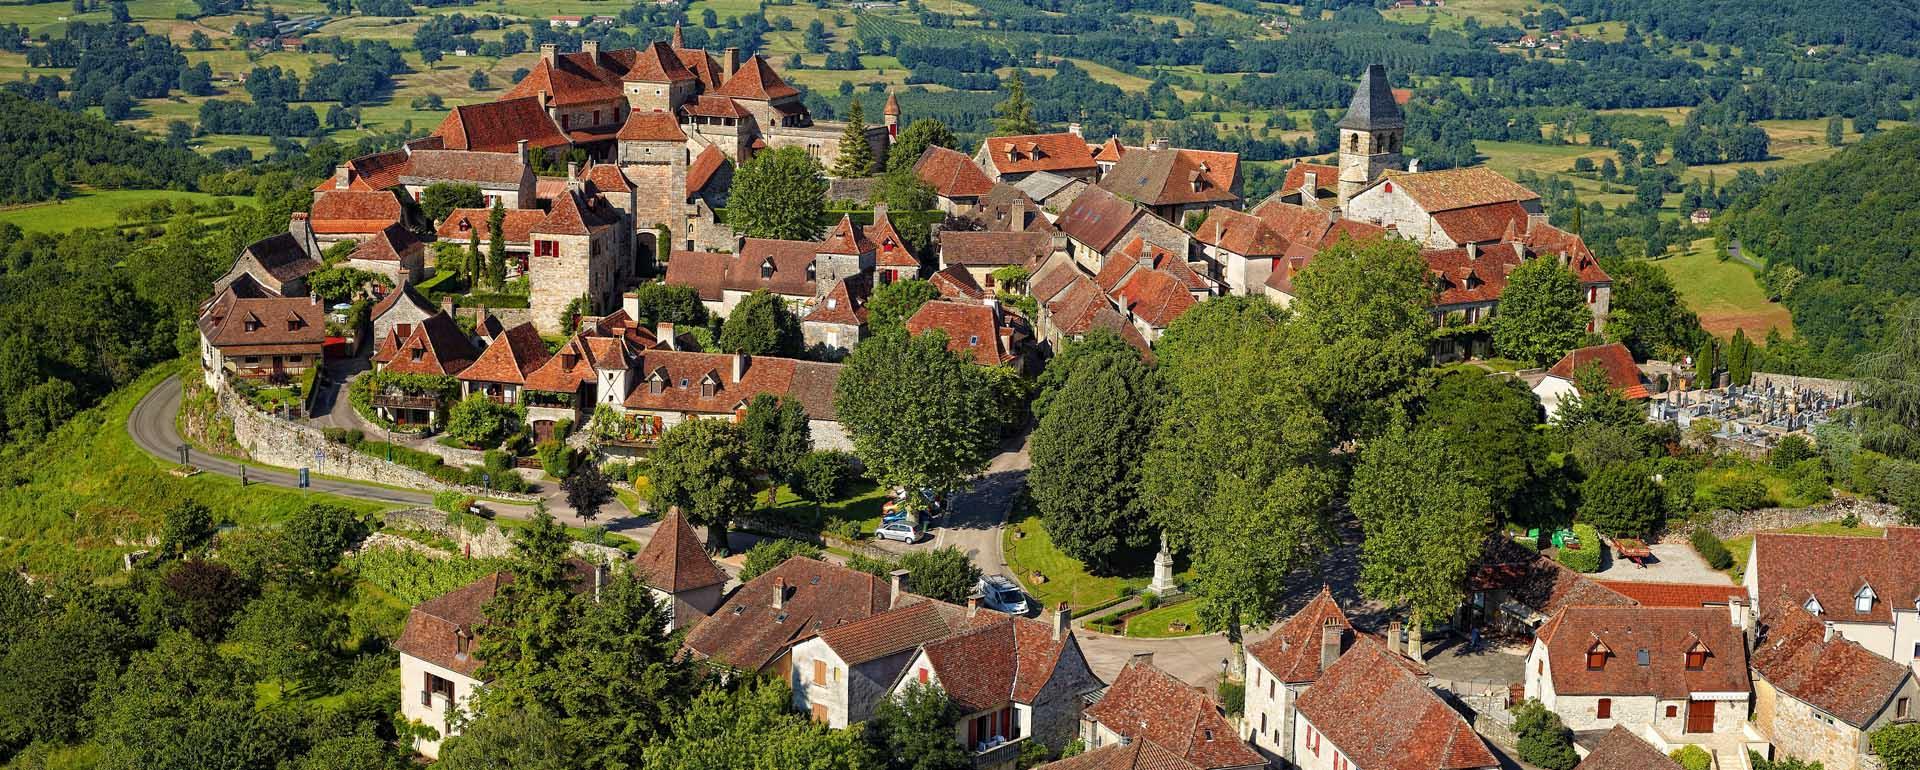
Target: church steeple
679	38
1370	134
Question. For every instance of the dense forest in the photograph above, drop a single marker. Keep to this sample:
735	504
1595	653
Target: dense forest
46	150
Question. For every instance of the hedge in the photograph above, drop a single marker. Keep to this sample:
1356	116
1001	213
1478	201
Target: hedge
1586	558
1711	549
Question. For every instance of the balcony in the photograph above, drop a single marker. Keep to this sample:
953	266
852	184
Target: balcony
405	401
1005	755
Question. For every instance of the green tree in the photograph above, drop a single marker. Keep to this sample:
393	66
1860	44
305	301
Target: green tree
1836	132
1542	313
780	193
751	726
288	638
1739	359
921	416
1898	746
479	422
1362	323
856	156
701	467
1622	500
1086	455
496	244
506	737
1493	424
1544	741
773	552
315	536
891	305
472	266
441	198
200	596
188	526
1098	349
51	663
587	490
778	438
677	305
1237	472
761	325
822	475
1014	117
943	573
915	729
914	140
525	626
1647	314
179	706
1426	521
1890	389
903	190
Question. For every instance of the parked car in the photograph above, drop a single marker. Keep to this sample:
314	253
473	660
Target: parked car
902	531
933	503
999	592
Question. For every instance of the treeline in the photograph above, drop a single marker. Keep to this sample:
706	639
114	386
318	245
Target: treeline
47	149
1873	26
112	59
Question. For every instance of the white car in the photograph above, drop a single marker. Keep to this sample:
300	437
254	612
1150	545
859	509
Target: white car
900	530
999	592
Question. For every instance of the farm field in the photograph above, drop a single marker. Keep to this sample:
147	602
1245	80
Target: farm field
1725	294
90	209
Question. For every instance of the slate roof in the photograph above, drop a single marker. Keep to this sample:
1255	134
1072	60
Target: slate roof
1172	176
356	212
1371	706
1613	357
674	560
985	248
498	126
1138	755
1038	152
1832	569
1147	704
291	323
513	355
808	382
1665	633
1373	106
1097	218
1292	653
951	173
747	633
1041	185
1458	188
1622	750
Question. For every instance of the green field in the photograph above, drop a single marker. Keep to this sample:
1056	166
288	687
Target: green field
1157	623
1726	295
91	208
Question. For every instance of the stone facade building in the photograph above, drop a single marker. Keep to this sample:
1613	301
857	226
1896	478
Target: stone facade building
1679	675
1148	704
1818	696
1282	666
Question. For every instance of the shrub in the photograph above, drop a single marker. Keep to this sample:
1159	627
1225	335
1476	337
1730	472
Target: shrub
1898	746
479	422
450	501
847	529
1741	495
1810	483
1543	740
870	565
1790	451
942	573
555	458
1149	600
1711	549
770	553
1233	696
822	475
1587	557
1623	500
1693	758
562	429
497	460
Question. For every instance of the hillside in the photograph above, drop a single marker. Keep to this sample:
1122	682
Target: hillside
46	148
1847	223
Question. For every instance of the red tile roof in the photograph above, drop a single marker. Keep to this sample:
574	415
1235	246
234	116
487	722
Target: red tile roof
432	626
971	329
845	303
1665	633
292	324
1097	218
573	213
354	212
1153	296
434	346
1005	660
1074	307
1674	594
1325	177
576	364
1377	713
1292	653
498	168
756	80
378	171
748	633
651	126
390	244
499	126
1546	239
710	273
956	283
1471	274
1458	188
1831	570
513	355
846	238
951	173
680	373
1797	654
1146	703
1240	233
657	63
901	629
1038	152
1168	177
607	178
1137	755
1535	581
1622	750
1481	224
674	560
515	228
703	167
713	106
393	298
1613	358
984	248
576	78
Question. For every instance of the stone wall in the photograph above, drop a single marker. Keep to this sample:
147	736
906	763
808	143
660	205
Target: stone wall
1831	388
1731	524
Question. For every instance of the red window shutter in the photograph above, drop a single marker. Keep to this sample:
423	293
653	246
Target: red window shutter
1605	709
923	676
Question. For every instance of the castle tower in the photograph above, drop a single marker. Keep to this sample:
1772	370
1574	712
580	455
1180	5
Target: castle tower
1370	134
892	112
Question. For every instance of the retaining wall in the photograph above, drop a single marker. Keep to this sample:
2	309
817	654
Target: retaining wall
1731	524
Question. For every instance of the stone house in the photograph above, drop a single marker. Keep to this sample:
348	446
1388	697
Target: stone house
958	183
435	346
1012	158
344	214
800	272
840	676
502	368
1371	709
1152	286
673	386
277	265
1307	231
392	251
1146	704
1446	209
1867	589
839	320
1013	679
1613	358
757	627
1673	676
582	374
679	573
1071	305
261	338
1818	696
576	254
501	176
982	252
981	331
1051	192
1282	666
516	232
403	305
502	126
1244	248
1099	221
438	666
1172	182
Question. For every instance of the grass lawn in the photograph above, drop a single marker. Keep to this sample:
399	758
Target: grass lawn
861	506
1740	546
1727	295
1155	623
91	208
1067	580
88	495
1779	483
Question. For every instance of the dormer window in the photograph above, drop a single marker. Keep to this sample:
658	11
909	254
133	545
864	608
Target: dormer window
418	354
766	269
1813	605
1697	656
1597	656
253	325
1643	658
1863	601
832	303
810	271
295	324
683	383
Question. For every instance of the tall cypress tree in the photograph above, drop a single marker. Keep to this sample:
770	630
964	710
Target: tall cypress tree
856	158
496	244
1016	113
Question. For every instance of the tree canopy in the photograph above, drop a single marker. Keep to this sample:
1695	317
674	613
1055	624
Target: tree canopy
761	325
1542	313
779	193
1425	517
1087	449
921	416
701	467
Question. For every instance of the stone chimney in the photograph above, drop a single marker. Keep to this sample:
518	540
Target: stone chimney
1062	621
897	588
1413	166
543	97
1828	636
1017	218
663	334
573	173
302	232
1393	636
1141	658
973	603
520	146
732	61
1158	144
739	366
1737	607
447	306
1331	636
1074	128
592	50
630	302
405	277
779	593
342	177
549	53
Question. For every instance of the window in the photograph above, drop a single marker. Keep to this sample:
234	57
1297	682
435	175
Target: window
436	686
923	676
1813	606
1540	667
1673	711
1863	601
819	713
565	122
1593	294
1597	657
1697	657
1339	762
1901	708
1263	723
819	671
546	248
1642	658
1603	709
1269	689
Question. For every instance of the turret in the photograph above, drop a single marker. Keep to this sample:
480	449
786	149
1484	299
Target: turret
892	113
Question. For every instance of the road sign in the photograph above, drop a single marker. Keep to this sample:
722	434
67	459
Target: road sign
304	482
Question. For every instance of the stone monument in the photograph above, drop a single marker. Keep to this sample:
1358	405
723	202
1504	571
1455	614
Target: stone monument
1163	584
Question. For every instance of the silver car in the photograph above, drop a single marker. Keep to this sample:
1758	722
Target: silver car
999	592
902	531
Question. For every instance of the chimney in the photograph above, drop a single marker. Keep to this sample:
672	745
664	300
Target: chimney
447	306
973	603
1074	128
663	334
1473	252
1330	639
549	53
1413	166
592	49
732	61
405	277
1158	144
1393	636
879	210
739	366
630	303
1140	658
779	593
342	177
1828	636
1563	259
1737	607
1534	219
1018	222
1062	621
1309	189
543	98
520	146
573	171
898	587
1519	251
302	232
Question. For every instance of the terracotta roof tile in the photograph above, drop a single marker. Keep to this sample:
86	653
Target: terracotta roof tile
951	173
574	364
971	329
1665	633
984	248
1613	357
431	629
499	126
340	212
1147	704
1241	233
1835	675
380	170
900	629
389	244
576	78
1292	653
1038	152
890	250
230	321
1831	570
1074	307
406	293
1324	177
955	283
515	227
1622	750
1376	712
674	560
807	382
846	238
703	167
1001	660
715	106
1458	188
1546	239
513	355
1171	176
748	633
1138	755
434	346
1097	218
657	63
1674	594
845	303
574	213
607	178
498	168
1480	224
651	126
756	80
711	272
